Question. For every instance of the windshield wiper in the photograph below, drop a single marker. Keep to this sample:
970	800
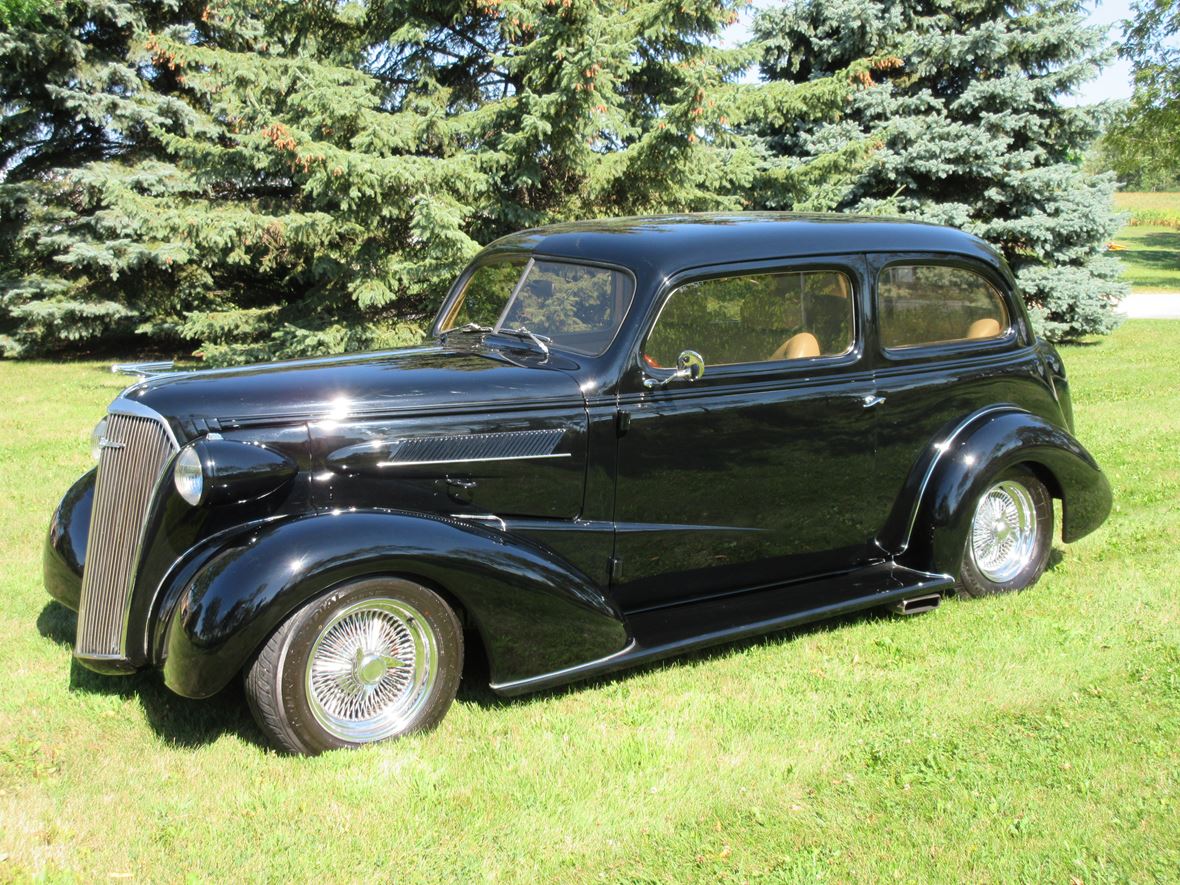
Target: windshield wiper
466	327
542	341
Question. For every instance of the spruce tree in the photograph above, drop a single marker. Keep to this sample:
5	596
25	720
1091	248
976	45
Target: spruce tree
263	179
968	127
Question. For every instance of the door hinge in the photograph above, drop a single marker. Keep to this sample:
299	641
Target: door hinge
622	421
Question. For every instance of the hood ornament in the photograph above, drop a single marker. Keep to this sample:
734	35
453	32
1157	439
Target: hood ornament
143	370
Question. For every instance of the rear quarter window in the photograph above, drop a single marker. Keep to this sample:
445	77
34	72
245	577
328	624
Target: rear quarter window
921	304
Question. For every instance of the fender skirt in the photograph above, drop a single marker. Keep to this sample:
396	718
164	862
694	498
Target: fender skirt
983	449
534	611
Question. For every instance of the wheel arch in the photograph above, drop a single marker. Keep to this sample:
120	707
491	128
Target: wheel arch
532	611
955	470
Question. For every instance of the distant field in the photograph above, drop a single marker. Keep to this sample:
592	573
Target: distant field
1150	209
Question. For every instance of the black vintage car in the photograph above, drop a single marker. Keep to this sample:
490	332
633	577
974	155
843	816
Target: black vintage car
629	438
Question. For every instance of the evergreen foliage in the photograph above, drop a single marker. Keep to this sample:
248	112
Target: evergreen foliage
272	179
968	128
264	178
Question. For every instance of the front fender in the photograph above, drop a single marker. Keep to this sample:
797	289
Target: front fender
985	448
65	545
535	613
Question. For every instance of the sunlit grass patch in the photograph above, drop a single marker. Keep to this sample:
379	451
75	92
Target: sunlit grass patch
1033	737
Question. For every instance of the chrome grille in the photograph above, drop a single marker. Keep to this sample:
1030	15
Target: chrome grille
137	449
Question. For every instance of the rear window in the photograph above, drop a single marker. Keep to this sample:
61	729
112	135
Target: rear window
930	304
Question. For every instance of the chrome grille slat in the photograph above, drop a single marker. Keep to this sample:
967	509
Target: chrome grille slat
127	477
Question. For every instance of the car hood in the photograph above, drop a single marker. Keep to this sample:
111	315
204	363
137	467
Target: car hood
431	379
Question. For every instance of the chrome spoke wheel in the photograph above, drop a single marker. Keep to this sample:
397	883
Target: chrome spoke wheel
1004	531
371	670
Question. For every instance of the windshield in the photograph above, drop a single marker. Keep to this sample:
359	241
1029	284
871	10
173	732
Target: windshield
576	307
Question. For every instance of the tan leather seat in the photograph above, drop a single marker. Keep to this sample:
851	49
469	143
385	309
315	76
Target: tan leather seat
985	328
797	347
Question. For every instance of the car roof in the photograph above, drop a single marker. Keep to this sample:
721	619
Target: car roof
669	243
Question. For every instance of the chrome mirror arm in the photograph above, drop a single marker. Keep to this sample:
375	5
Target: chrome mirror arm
679	375
690	366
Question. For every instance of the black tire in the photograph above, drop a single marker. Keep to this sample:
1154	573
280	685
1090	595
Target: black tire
367	638
982	574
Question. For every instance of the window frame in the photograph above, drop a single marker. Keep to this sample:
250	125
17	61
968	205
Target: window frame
528	256
851	265
881	262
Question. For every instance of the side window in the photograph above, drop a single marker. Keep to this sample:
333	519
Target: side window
931	303
755	319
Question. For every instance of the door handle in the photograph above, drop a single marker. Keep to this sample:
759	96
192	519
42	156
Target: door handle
871	399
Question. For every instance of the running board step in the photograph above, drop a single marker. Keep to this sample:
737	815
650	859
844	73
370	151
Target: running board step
661	632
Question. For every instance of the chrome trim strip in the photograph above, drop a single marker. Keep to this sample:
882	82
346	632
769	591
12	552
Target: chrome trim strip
99	656
384	410
123	406
943	447
485	517
471	460
143	370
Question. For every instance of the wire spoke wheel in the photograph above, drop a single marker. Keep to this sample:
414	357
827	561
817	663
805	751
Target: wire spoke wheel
1004	531
371	669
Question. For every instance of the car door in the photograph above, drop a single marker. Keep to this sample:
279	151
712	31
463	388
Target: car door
752	474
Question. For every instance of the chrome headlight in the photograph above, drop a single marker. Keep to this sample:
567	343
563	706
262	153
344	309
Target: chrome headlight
223	471
96	437
188	476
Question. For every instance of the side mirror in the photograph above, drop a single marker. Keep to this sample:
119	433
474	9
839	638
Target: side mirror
690	366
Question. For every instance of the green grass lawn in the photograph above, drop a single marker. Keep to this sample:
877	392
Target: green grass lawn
1151	241
1033	737
1151	258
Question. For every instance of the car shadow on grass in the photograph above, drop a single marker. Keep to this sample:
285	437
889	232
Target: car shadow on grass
181	722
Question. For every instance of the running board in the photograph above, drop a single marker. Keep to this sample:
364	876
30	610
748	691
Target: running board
660	633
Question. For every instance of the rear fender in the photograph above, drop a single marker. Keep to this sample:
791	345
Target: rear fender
534	612
957	472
